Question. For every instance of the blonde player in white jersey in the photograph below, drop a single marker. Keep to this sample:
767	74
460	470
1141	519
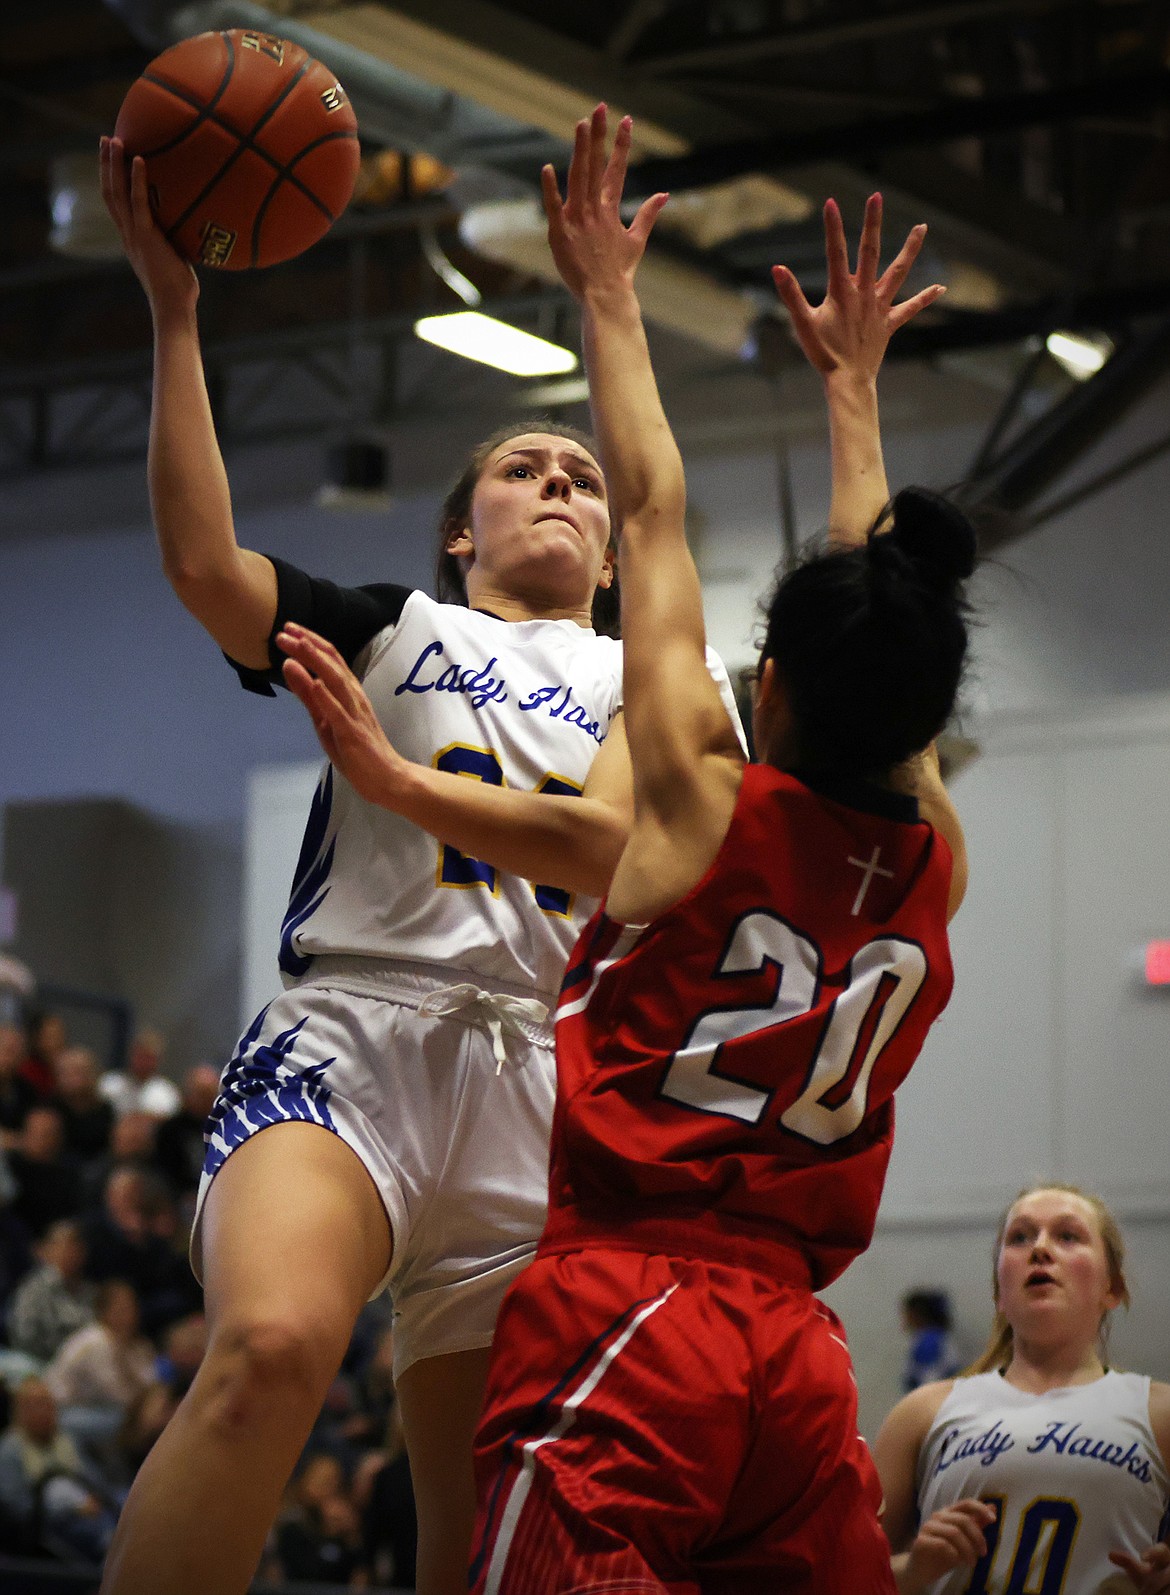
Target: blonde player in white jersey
405	1080
1043	1472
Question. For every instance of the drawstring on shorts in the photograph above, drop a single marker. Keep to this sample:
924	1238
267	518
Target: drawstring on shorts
501	1013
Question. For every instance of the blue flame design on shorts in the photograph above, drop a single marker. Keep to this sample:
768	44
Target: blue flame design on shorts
260	1087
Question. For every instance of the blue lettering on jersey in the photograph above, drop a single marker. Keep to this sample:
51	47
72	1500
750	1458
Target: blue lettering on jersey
1067	1438
989	1445
482	687
479	685
557	701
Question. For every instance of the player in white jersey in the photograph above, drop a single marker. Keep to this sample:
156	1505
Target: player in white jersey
420	962
1044	1472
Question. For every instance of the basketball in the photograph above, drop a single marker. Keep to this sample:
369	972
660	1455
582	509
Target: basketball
251	147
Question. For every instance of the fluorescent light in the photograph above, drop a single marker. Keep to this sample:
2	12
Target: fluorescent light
1081	357
672	292
495	343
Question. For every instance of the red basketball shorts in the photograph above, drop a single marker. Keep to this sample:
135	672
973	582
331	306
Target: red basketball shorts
660	1424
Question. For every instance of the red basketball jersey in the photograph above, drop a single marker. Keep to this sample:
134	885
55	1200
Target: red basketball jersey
732	1066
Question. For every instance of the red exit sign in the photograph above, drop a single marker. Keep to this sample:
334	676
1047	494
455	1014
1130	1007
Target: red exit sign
1158	963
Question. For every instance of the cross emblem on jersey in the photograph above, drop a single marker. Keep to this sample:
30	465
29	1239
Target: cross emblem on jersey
871	868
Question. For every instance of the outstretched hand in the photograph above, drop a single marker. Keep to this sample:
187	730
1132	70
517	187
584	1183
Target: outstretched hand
342	715
590	244
167	278
1150	1573
949	1538
849	330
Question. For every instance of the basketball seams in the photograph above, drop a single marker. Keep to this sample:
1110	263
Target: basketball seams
245	142
205	111
211	95
285	174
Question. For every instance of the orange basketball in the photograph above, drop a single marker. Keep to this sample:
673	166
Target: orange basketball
250	145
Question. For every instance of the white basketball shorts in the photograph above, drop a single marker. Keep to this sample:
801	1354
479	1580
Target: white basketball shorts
445	1091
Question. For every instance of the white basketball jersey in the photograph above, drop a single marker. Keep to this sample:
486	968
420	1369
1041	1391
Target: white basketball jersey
523	704
1073	1474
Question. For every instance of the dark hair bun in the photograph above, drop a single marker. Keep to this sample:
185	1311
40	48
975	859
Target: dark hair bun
934	536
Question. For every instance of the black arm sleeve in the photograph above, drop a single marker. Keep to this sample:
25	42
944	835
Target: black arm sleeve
345	616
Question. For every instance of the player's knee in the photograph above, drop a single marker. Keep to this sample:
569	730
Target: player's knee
266	1362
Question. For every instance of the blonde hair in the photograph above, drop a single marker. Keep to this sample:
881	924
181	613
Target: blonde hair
998	1351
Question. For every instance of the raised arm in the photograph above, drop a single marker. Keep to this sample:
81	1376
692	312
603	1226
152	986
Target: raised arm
681	739
845	339
229	589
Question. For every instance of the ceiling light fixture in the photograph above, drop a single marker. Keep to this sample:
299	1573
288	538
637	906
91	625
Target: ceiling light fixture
495	343
672	293
1081	356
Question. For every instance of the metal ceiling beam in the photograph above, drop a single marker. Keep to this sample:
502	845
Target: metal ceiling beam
639	15
1096	311
131	366
862	139
1039	455
834	35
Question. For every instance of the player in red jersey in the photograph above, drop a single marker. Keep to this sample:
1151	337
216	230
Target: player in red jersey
669	1406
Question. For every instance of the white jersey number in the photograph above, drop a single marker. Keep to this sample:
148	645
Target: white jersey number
881	983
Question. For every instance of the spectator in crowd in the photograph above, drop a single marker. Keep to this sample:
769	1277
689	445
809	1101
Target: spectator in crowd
384	1496
47	1492
17	987
16	1256
102	1371
376	1418
382	1487
179	1144
46	1038
319	1541
140	1088
17	1095
48	1187
131	1146
932	1352
87	1117
183	1348
122	1241
55	1300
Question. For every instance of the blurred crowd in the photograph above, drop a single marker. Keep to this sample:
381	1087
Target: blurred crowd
102	1329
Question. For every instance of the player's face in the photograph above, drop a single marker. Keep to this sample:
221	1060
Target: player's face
539	523
1053	1273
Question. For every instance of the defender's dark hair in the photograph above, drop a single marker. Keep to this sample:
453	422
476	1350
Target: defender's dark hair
450	582
869	641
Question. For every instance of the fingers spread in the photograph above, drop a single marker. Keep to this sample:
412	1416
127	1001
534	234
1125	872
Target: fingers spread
791	293
905	312
551	194
870	248
597	124
836	252
897	271
648	213
614	179
322	660
576	187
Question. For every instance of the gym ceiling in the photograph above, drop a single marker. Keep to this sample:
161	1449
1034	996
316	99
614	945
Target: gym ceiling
1032	135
